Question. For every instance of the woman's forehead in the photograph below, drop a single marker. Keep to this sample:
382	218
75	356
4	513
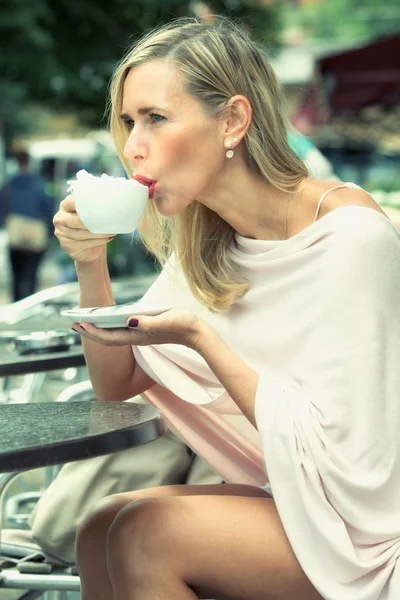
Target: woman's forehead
155	83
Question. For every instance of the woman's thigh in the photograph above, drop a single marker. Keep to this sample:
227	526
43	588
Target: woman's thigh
95	523
211	489
225	541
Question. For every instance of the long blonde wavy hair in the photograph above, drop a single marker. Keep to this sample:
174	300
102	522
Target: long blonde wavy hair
215	62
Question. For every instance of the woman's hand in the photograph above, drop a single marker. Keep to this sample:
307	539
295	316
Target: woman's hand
170	327
186	328
77	241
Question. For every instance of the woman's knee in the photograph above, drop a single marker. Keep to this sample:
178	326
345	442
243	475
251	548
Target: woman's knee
93	528
138	532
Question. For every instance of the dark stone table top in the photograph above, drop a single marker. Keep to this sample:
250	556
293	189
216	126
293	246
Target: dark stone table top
40	434
12	363
46	317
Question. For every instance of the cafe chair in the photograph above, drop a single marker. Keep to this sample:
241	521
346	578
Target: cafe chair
25	567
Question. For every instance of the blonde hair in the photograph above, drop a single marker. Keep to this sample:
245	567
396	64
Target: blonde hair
215	62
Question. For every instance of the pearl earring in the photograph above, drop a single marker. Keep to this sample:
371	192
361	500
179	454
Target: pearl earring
228	144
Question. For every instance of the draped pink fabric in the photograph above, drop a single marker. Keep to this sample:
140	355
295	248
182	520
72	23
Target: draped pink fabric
321	326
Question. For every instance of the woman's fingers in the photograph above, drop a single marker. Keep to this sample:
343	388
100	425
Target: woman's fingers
68	204
67	224
86	242
79	234
108	337
66	219
79	245
170	327
77	241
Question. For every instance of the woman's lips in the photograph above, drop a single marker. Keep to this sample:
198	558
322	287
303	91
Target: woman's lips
150	183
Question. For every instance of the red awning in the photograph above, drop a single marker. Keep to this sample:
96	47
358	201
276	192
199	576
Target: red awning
363	77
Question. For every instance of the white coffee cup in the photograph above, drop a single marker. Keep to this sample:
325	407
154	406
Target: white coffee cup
109	204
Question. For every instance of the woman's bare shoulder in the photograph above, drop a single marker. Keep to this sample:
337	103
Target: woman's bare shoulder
306	203
342	196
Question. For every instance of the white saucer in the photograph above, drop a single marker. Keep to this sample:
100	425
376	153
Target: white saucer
107	317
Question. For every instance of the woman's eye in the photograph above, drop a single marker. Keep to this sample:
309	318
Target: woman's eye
129	124
156	118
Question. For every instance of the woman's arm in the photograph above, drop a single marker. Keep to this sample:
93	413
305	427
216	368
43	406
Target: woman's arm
239	380
112	370
186	328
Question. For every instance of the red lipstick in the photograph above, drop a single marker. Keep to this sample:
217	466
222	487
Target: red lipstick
150	183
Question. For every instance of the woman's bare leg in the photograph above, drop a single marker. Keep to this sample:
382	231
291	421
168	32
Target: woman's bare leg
91	541
187	547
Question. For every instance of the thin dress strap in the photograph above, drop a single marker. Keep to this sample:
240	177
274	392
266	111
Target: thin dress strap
337	187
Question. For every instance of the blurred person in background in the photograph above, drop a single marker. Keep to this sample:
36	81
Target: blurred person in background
26	212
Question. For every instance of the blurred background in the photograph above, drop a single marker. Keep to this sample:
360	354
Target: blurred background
339	61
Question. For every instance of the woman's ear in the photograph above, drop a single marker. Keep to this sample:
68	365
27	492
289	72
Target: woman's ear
238	117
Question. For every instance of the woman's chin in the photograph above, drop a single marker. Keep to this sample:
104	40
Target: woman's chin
169	208
164	207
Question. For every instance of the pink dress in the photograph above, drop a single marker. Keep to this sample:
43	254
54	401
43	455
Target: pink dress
321	326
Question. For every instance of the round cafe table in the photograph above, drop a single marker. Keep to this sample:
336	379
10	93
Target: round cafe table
41	434
49	433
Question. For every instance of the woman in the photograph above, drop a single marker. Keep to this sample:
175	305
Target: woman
279	361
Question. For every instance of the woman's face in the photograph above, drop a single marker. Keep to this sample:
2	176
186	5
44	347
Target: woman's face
171	138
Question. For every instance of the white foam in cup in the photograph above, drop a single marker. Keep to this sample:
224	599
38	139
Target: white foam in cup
109	204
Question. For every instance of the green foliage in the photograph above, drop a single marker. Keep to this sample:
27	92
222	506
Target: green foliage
61	53
262	20
25	38
347	20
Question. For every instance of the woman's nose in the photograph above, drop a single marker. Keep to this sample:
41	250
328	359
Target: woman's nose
134	149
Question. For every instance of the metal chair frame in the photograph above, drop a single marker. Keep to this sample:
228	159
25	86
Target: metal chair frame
59	578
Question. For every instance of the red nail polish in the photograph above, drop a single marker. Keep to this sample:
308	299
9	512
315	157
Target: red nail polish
133	323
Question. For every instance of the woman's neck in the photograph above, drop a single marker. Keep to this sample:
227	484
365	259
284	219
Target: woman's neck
252	206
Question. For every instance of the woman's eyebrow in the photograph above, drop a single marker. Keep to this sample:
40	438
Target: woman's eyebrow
141	111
